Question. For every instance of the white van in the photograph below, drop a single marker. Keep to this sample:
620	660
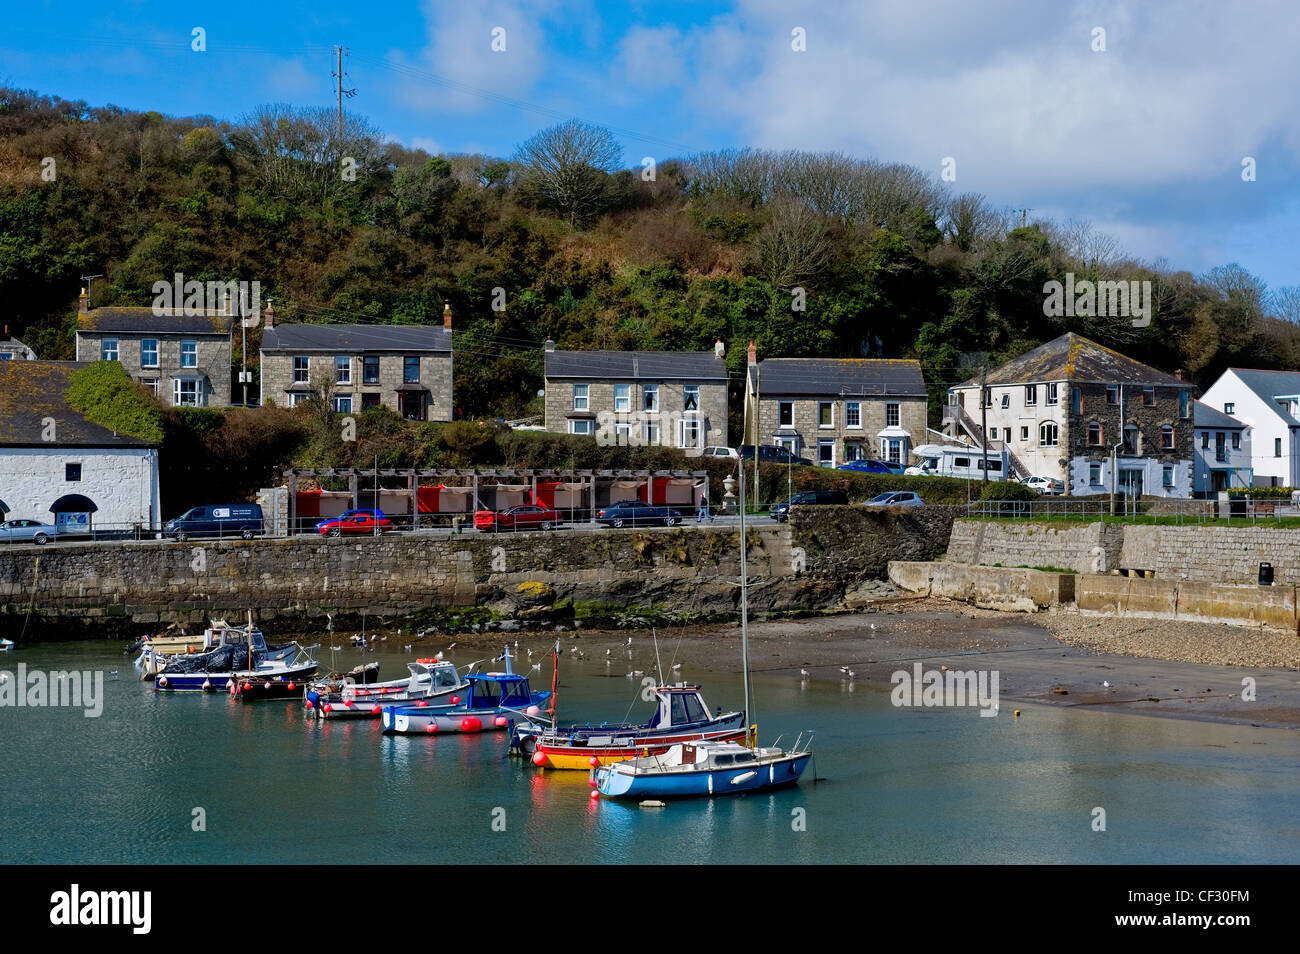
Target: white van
937	460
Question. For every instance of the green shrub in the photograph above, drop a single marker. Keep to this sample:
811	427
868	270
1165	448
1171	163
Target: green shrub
105	394
1007	490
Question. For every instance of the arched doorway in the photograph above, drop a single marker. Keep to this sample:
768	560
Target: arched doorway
73	514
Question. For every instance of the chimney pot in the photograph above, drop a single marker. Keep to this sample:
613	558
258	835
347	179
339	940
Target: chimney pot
719	349
550	345
83	303
270	316
446	315
753	353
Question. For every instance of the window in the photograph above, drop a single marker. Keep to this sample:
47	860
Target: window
785	414
650	397
1236	440
1168	476
826	453
622	434
370	370
370	400
853	413
1047	434
1094	434
108	349
651	432
1132	440
961	462
1094	475
1167	437
1024	433
151	384
691	397
583	426
411	369
149	353
301	366
853	450
993	433
891	414
825	414
1076	400
581	399
1051	393
892	450
343	370
1148	397
1205	440
1277	447
186	392
623	398
1220	446
1230	409
1112	394
343	403
1184	404
988	398
71	471
295	398
1006	400
189	354
1031	395
689	432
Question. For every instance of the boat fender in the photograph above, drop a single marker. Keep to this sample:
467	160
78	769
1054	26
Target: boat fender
421	704
539	758
162	681
347	703
248	686
431	727
207	685
291	687
470	724
328	707
374	710
595	794
533	711
309	703
455	700
593	761
500	721
591	782
233	686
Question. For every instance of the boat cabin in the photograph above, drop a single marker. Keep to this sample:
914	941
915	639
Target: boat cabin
442	673
495	690
679	705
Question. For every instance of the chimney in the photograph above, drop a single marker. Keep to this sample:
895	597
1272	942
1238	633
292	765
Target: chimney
549	346
270	314
446	315
1178	373
719	349
83	303
225	301
753	353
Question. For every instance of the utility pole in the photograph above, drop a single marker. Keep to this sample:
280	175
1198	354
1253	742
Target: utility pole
984	423
1114	451
243	343
349	93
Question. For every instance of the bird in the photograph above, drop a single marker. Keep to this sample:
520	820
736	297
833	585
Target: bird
873	625
852	674
537	667
608	652
629	642
676	666
803	672
844	669
407	647
1105	683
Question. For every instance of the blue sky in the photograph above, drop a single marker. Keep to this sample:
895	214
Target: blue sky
1144	139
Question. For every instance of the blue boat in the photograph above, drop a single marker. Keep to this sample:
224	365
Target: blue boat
491	703
702	769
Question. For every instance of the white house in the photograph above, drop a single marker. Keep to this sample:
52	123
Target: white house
1221	452
58	467
1268	402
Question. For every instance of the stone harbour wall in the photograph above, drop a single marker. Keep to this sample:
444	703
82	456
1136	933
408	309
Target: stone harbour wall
1083	548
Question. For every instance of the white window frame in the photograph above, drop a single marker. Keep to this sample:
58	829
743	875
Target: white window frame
1006	400
650	432
622	433
1053	395
178	392
151	384
893	414
145	363
891	449
108	349
301	375
820	405
1024	434
581	399
689	432
853	415
781	408
192	347
622	398
1031	395
342	369
822	444
1043	432
1167	476
297	397
650	398
687	391
342	404
582	425
1095	478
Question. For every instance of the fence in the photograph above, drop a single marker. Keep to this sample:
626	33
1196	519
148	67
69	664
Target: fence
1151	510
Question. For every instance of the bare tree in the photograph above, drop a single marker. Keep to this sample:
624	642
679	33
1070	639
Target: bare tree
301	150
1284	303
793	246
568	167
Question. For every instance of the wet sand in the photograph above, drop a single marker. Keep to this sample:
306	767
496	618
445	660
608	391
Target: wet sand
1034	664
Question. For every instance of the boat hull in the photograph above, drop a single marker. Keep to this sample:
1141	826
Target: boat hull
285	683
435	720
770	774
369	705
578	757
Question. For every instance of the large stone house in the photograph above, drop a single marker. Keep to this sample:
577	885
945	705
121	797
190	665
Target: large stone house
404	367
58	467
182	358
835	410
671	398
1268	402
1060	411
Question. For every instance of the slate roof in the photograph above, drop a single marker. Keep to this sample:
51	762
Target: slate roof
1205	416
31	391
636	365
847	376
1074	358
143	321
356	338
1269	384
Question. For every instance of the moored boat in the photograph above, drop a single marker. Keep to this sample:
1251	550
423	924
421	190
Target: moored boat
492	701
242	656
434	681
690	770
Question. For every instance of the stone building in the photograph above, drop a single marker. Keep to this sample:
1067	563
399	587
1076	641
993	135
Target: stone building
672	398
835	410
1061	409
404	367
58	467
184	359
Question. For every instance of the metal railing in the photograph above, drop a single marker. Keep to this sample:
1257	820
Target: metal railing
1150	510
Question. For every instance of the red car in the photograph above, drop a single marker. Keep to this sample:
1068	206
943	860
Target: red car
355	521
523	517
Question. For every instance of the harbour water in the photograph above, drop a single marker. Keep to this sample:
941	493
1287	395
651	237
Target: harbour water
272	785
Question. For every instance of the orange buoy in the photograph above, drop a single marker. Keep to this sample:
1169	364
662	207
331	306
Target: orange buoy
291	687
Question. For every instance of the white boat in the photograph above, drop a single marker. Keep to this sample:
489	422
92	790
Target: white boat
6	645
430	679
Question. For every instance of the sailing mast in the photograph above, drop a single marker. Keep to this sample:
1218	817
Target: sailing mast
744	605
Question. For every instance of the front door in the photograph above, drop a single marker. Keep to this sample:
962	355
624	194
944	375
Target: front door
1130	481
410	405
1218	480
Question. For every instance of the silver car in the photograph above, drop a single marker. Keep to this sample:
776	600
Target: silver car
895	498
26	531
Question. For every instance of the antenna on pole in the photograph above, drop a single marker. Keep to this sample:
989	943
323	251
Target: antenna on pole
338	75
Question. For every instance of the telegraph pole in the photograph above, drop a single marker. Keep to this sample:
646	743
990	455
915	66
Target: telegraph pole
984	422
341	92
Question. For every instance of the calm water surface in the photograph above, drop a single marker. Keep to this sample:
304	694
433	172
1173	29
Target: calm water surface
901	785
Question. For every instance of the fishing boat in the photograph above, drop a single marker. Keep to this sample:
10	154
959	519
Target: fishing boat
681	715
706	769
6	645
432	680
492	701
241	663
156	652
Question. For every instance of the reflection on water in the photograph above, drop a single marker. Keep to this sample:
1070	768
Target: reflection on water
900	785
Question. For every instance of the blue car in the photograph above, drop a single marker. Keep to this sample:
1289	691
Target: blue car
869	465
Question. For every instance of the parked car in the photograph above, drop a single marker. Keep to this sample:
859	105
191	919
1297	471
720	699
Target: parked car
221	520
730	452
634	513
816	498
355	522
771	454
895	498
523	517
27	531
1045	485
869	465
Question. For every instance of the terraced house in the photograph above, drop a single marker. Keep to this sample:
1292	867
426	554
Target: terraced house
671	398
404	367
834	410
181	358
1074	411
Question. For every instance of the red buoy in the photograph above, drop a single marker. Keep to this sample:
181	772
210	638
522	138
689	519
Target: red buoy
347	703
593	782
539	758
595	794
470	724
291	687
431	727
422	703
328	707
500	722
455	700
309	704
375	709
593	761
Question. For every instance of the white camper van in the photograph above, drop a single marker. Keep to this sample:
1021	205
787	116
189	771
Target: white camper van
938	460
